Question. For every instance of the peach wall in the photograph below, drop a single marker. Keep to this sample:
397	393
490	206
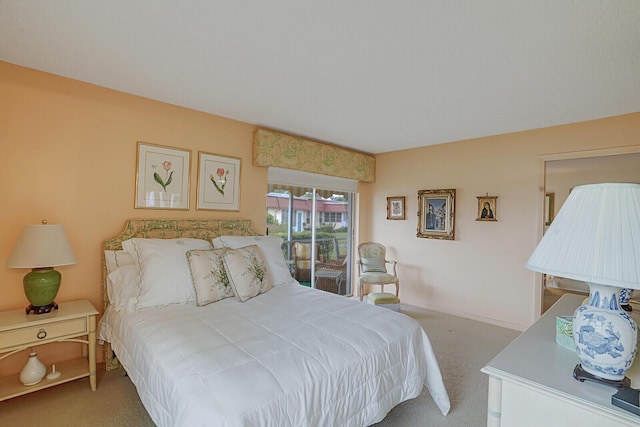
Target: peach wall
481	274
69	150
69	155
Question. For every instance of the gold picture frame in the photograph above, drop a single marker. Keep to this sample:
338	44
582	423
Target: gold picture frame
549	208
487	208
436	214
162	177
395	207
218	182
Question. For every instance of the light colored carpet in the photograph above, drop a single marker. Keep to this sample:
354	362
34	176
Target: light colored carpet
462	347
114	403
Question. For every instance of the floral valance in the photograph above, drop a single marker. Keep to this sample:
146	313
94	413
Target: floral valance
276	149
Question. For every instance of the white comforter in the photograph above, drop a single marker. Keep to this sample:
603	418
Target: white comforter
292	356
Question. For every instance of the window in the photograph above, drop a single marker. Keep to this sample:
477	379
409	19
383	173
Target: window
333	217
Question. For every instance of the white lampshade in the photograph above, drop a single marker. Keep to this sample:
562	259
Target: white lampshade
41	245
595	237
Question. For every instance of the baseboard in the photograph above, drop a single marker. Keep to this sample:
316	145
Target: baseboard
490	321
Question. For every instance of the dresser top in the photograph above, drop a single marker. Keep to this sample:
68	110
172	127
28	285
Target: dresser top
536	360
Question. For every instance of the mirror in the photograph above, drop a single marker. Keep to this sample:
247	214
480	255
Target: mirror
564	174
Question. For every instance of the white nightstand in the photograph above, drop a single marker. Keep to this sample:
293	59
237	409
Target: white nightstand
69	323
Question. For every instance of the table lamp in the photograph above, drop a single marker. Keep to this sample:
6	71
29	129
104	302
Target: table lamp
595	238
41	247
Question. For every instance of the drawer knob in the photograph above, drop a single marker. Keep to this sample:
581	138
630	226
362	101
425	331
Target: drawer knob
42	334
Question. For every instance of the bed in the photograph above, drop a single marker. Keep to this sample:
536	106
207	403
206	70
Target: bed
286	355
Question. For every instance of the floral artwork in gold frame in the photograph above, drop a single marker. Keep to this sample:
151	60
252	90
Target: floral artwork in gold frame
162	177
395	207
218	182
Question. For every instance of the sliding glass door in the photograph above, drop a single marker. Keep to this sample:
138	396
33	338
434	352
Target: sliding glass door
316	227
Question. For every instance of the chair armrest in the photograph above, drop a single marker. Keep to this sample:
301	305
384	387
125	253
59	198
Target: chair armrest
395	263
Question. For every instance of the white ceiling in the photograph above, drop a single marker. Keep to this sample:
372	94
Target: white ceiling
375	75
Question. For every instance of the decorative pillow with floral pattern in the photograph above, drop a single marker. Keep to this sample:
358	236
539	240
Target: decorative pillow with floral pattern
209	275
247	272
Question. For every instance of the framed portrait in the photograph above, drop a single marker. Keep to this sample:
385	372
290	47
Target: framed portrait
436	214
487	208
548	208
218	182
162	177
395	207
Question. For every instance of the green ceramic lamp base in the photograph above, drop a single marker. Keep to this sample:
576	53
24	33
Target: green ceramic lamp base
41	287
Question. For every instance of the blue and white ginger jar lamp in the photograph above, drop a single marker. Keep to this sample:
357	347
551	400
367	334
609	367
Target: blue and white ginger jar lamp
595	238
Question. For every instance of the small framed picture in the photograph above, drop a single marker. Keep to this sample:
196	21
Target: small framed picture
218	182
162	177
436	214
487	208
395	207
548	208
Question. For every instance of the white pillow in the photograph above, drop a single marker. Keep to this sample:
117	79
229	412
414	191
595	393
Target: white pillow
164	271
117	259
209	275
122	287
247	272
271	248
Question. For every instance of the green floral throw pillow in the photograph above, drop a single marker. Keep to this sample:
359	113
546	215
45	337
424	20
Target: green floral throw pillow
247	272
209	275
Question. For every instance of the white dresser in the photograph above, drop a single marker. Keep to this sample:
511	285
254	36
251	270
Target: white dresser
531	382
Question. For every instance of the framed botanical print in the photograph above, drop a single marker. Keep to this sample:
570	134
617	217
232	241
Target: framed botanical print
436	214
162	177
218	182
487	208
395	207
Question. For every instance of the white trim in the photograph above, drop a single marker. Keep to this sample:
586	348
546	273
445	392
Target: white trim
296	178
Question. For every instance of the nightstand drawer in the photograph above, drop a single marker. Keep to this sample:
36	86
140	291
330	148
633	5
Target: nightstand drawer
46	332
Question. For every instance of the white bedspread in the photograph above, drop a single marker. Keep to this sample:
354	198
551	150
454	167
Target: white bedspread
293	356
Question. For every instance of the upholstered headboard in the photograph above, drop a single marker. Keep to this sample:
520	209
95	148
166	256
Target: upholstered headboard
206	229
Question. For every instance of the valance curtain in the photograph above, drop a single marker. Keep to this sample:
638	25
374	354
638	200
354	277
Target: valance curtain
274	149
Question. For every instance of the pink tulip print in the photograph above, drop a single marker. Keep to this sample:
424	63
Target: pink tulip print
222	180
168	175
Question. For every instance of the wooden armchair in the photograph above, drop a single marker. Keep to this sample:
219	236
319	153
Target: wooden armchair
372	270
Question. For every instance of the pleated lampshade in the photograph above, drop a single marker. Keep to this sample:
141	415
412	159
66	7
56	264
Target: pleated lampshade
41	245
595	237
